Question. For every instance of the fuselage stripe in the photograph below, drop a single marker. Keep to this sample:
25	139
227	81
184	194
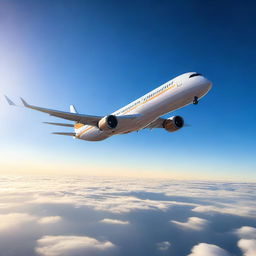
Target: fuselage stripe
129	110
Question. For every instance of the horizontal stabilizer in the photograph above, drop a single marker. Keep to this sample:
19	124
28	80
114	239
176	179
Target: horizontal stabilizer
59	124
65	133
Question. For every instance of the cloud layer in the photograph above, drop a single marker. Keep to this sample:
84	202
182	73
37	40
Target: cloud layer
111	216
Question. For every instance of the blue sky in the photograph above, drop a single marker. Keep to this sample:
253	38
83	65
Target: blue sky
100	55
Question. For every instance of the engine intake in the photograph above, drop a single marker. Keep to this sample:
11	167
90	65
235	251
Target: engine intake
108	123
173	123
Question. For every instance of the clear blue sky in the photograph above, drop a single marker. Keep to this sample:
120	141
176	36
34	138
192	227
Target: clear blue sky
100	55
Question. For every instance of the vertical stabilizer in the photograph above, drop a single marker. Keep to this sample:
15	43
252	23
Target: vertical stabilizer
77	125
72	109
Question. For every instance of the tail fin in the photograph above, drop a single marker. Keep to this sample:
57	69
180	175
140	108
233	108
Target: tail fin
77	125
72	109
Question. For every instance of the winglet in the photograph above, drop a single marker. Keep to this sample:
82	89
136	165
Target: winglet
11	103
24	102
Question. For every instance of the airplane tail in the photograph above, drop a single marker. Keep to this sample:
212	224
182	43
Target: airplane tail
77	125
72	109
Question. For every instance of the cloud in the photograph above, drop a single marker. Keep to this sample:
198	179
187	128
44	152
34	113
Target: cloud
246	232
70	245
238	208
248	246
123	195
204	249
101	208
49	220
113	221
163	246
194	223
12	220
102	201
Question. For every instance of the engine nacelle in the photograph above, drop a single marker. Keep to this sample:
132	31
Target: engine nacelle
173	123
108	123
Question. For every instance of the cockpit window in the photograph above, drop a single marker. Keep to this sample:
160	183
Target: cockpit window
195	74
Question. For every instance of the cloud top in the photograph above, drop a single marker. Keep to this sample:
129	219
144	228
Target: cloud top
194	223
204	249
70	245
248	246
114	221
246	232
13	220
49	220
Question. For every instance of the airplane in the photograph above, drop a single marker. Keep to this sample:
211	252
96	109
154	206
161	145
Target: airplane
143	113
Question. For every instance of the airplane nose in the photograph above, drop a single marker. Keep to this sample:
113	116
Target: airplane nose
208	84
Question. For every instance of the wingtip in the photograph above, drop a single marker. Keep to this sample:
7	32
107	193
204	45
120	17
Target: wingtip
10	102
24	102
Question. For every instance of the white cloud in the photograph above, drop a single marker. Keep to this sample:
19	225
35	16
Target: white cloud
204	249
194	223
237	208
248	246
95	196
70	245
163	246
123	195
246	232
12	220
113	221
49	220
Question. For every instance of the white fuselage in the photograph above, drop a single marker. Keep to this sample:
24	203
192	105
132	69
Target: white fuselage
168	97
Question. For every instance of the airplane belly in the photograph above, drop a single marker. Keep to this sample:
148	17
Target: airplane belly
94	134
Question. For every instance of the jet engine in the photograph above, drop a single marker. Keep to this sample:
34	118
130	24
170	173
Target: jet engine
108	123
173	123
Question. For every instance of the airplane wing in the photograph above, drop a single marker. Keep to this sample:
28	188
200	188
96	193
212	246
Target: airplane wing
84	119
158	123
